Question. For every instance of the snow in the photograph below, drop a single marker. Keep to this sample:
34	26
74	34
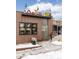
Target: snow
57	42
49	55
26	45
48	50
57	38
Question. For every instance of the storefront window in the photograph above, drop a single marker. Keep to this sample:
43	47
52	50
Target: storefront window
27	28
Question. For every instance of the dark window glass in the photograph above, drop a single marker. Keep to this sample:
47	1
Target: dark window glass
27	28
55	27
59	29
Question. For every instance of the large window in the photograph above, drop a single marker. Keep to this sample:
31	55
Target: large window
27	28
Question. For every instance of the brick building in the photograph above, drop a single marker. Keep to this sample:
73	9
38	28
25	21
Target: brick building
28	26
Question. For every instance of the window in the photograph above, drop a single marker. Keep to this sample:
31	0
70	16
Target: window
34	28
22	28
27	28
57	28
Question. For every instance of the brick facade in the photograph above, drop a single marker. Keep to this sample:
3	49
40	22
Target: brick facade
39	21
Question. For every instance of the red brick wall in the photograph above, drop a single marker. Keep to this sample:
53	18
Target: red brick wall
50	25
39	21
27	38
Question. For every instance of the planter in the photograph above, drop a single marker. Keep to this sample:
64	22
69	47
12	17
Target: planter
33	42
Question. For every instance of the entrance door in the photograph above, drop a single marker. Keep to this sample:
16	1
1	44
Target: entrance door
45	29
58	29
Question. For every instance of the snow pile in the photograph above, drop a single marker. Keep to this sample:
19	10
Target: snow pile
57	38
28	45
57	42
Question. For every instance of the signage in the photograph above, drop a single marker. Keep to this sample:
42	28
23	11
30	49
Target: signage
37	13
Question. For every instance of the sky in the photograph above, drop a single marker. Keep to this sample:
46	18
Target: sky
54	5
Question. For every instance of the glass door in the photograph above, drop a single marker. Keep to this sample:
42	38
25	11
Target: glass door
45	29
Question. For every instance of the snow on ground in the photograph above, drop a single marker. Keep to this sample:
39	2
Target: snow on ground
49	50
57	38
57	43
48	55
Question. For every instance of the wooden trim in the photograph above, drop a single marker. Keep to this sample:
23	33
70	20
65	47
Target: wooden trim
37	16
